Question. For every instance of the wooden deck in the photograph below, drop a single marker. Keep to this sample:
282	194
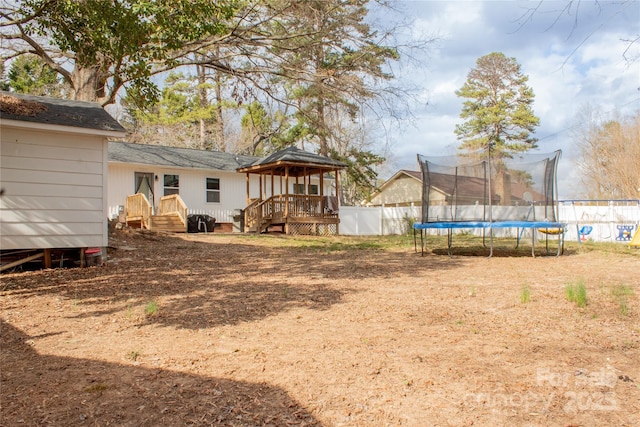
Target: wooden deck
296	214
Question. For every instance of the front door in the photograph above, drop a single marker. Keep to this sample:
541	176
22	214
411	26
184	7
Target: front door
144	185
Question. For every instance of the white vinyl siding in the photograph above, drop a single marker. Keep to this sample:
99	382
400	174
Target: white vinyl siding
193	188
54	189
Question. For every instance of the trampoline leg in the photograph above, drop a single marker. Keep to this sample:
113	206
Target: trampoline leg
449	241
560	244
533	242
490	243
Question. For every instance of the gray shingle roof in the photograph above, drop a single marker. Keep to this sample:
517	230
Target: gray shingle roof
177	157
296	155
54	111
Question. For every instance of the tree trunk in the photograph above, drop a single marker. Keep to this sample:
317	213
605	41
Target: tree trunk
202	93
88	83
219	119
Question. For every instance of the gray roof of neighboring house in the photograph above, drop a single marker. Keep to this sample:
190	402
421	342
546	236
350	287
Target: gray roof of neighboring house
176	157
468	186
54	111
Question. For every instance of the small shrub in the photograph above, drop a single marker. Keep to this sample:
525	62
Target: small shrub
621	294
525	294
408	222
151	309
577	292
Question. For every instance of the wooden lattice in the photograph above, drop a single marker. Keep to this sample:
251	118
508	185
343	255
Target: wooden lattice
307	229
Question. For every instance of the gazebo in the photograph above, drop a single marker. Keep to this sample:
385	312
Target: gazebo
306	208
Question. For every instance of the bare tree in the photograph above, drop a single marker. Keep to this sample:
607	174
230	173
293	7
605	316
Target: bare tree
609	157
576	11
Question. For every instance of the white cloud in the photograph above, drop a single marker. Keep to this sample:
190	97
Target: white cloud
575	61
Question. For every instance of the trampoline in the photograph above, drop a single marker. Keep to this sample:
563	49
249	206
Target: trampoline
519	192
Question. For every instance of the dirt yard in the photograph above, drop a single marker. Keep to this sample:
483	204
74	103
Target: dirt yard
274	331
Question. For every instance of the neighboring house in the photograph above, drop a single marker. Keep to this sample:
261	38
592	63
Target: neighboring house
404	188
207	181
53	173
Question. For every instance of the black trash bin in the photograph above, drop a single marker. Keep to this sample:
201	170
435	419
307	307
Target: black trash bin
199	223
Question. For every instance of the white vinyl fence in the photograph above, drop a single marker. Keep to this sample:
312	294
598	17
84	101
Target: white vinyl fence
606	221
377	221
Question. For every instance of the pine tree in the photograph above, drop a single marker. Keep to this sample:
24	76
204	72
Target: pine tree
497	113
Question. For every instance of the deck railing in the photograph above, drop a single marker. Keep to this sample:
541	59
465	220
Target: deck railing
173	204
297	205
279	208
252	216
138	208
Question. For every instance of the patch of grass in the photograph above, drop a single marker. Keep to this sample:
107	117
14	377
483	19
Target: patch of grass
525	294
133	355
334	243
96	388
466	243
151	309
600	247
620	294
577	292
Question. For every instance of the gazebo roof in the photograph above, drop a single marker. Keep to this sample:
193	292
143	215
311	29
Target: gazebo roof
297	162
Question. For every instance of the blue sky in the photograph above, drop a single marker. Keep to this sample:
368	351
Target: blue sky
573	59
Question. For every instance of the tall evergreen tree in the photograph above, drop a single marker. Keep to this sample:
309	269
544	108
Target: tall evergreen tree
29	74
498	111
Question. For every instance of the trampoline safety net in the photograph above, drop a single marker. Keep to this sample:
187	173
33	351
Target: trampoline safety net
521	188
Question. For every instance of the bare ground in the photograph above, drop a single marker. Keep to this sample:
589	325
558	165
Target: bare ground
274	331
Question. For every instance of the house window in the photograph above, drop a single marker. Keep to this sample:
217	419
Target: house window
171	184
299	189
213	190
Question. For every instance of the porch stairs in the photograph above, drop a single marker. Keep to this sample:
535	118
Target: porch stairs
170	223
255	219
171	217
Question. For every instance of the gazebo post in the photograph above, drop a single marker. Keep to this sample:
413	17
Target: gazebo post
248	180
286	197
292	162
336	171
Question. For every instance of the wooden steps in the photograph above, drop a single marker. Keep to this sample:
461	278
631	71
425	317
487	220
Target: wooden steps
170	223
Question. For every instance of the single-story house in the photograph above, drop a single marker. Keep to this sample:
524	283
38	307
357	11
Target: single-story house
53	174
208	182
